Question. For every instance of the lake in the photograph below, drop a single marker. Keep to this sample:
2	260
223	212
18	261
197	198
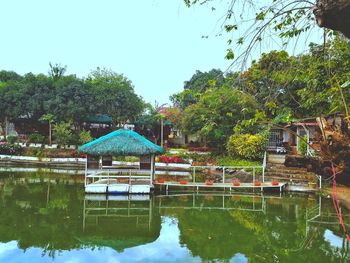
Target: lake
46	217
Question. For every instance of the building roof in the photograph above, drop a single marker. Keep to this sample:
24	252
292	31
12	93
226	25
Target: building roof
99	118
121	142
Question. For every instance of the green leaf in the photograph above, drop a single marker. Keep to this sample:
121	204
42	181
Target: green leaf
346	84
229	28
230	55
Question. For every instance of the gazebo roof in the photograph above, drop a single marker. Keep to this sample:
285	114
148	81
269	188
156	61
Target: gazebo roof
121	142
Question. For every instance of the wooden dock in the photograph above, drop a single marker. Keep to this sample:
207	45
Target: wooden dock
224	186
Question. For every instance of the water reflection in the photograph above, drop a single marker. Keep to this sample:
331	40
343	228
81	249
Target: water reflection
49	218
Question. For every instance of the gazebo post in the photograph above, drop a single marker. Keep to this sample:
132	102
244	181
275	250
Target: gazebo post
152	168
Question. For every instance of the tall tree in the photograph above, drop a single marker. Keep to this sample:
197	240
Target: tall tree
115	95
197	85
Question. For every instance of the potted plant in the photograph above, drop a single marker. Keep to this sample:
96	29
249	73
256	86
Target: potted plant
183	182
236	183
257	183
209	182
274	182
161	180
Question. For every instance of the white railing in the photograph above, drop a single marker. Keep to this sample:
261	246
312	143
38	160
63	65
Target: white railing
129	175
264	166
224	169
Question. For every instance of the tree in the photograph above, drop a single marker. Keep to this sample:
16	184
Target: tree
114	95
62	132
196	86
278	19
217	112
56	71
50	118
72	99
10	107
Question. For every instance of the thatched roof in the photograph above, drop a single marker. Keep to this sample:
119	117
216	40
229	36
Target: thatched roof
121	142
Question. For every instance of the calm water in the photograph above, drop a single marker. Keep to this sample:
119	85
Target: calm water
48	218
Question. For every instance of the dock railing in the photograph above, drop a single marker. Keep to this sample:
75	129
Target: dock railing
264	166
227	172
119	174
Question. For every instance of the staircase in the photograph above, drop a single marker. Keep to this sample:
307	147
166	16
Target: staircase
297	178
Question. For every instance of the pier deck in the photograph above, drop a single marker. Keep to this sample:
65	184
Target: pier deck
224	186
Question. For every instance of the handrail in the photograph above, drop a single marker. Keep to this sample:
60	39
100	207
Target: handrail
224	166
224	169
264	166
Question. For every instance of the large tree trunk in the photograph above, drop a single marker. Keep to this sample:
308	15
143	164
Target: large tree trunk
333	14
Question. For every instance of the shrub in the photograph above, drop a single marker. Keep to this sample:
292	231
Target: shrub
247	146
12	139
62	132
36	138
228	161
170	159
85	137
77	154
10	149
73	139
302	146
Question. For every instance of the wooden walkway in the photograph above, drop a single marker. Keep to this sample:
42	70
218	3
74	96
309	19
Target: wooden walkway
224	186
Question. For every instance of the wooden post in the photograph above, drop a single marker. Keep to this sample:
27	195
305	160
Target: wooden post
86	167
6	128
161	131
223	174
152	175
194	174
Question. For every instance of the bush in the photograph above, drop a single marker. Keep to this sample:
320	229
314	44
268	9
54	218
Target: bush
73	139
85	137
62	133
302	147
77	154
10	149
12	139
170	159
36	138
247	146
228	161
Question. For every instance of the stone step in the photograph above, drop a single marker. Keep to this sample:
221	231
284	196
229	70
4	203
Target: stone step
292	176
289	171
276	161
280	165
286	180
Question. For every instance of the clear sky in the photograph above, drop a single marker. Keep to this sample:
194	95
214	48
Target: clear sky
157	44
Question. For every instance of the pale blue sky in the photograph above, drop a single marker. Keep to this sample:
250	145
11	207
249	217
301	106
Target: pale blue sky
157	44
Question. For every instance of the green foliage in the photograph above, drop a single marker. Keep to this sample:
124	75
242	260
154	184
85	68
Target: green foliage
12	139
217	112
302	146
85	137
229	161
36	138
60	98
247	146
196	86
48	117
280	20
37	152
10	149
115	95
62	132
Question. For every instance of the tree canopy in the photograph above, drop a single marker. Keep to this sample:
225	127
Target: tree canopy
67	97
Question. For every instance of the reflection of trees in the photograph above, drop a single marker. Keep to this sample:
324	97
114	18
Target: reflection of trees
280	234
49	215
